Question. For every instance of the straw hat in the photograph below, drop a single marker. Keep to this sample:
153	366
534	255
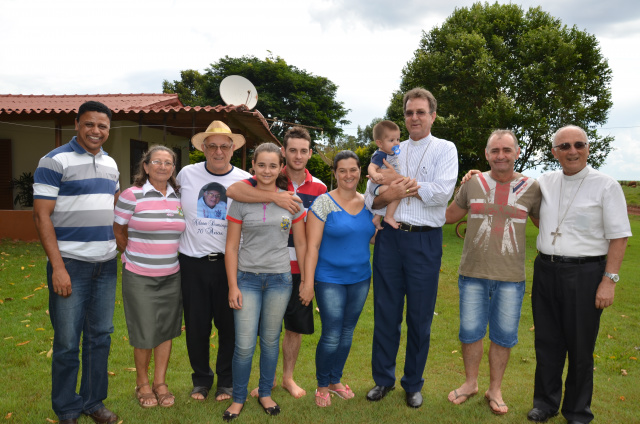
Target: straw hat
217	128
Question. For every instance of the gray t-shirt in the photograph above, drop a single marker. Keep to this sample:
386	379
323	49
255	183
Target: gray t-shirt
265	234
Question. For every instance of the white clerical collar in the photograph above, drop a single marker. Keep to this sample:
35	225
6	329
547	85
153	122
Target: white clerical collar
578	176
420	142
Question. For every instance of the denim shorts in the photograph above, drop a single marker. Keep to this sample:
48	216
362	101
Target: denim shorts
492	302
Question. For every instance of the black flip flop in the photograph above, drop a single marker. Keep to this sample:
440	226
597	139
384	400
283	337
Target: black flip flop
224	391
204	391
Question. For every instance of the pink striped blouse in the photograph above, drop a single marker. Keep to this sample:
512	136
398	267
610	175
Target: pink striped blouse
155	225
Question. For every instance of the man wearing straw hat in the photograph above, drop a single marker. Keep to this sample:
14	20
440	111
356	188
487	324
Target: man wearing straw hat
201	256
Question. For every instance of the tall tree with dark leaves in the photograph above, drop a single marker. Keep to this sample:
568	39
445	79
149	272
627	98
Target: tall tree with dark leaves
497	66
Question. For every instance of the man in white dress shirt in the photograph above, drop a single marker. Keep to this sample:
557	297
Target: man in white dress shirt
406	261
583	236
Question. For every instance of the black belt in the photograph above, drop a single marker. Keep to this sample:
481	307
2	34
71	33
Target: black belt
572	259
212	257
414	228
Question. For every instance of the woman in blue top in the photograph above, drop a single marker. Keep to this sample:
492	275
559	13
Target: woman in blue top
339	230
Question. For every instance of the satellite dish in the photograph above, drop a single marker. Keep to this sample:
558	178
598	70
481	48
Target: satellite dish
236	90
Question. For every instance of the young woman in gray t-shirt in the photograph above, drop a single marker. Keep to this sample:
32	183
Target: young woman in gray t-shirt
259	275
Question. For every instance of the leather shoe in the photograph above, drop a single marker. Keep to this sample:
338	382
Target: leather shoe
414	399
69	421
378	392
104	416
540	416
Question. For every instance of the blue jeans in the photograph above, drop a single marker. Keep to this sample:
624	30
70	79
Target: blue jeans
497	303
264	301
87	312
340	307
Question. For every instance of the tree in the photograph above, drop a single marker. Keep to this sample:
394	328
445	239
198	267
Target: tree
284	92
495	66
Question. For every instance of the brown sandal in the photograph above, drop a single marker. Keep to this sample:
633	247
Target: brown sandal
142	397
162	397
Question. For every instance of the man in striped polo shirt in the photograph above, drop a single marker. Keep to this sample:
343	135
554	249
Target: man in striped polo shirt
76	187
298	318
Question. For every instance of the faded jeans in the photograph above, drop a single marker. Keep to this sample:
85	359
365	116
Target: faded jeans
88	311
340	307
264	301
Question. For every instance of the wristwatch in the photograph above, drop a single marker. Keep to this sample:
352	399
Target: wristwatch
614	277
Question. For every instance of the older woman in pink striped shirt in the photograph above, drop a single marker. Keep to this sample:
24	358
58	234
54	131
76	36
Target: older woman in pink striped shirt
148	225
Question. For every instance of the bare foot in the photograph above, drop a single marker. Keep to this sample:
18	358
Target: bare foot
254	392
376	222
496	403
341	390
322	397
462	394
295	390
392	222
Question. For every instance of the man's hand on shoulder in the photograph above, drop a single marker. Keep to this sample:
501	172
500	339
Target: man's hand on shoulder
289	201
469	175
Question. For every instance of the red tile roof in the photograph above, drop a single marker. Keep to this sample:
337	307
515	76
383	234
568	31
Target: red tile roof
158	110
38	104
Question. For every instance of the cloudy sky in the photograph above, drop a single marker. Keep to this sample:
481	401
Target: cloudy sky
82	47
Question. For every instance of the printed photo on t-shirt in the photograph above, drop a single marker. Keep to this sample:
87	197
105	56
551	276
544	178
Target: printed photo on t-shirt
212	201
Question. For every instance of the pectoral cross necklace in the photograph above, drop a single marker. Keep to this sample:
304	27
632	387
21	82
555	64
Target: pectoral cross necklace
557	232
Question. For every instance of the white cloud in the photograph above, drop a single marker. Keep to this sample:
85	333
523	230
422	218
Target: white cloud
80	47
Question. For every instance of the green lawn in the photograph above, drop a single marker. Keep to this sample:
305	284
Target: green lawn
26	336
632	194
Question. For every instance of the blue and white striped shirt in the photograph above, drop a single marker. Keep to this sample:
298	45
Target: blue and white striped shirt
83	187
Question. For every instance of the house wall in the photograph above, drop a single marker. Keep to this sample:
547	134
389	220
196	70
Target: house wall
29	142
123	131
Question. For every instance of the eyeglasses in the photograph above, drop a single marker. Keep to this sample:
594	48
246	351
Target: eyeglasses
419	113
579	145
159	162
224	147
211	194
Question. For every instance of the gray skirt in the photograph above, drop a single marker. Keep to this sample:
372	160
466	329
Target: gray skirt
152	308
